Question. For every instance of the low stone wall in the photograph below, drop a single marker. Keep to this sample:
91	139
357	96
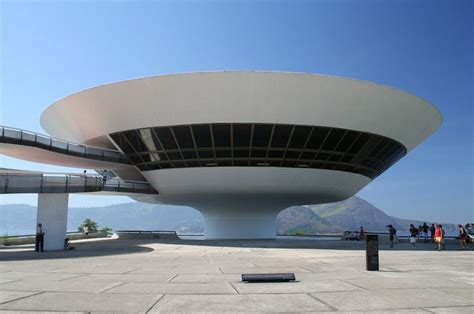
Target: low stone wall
147	235
31	239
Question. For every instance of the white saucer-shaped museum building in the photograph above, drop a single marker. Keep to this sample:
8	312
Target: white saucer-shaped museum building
242	146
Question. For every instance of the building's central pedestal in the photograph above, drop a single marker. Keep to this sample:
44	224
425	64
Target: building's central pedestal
243	202
239	221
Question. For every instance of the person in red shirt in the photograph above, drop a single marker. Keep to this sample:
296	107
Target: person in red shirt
438	236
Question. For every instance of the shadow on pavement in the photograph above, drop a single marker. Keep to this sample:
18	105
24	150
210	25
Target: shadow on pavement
82	249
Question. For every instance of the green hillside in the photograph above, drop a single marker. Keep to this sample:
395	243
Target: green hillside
354	212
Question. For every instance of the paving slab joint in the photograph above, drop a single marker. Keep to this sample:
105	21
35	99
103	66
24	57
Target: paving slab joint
460	307
155	303
353	284
232	285
172	277
307	269
21	298
112	285
325	303
79	275
129	271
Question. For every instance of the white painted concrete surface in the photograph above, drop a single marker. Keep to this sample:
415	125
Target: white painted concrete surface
52	214
243	202
240	220
284	187
242	198
242	96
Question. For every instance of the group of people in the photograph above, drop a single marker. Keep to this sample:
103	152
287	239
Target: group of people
437	234
356	235
422	231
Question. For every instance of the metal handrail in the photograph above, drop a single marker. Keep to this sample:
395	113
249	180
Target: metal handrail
387	233
146	231
68	183
70	148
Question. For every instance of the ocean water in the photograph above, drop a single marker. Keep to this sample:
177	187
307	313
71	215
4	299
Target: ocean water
17	232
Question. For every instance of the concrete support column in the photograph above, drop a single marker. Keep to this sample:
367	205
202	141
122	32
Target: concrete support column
52	214
239	221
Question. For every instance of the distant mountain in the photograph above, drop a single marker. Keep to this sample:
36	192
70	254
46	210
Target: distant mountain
354	212
17	217
349	214
303	219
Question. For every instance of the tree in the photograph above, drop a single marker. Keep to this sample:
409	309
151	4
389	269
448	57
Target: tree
107	230
91	225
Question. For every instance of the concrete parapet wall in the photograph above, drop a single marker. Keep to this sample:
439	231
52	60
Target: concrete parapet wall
31	239
384	239
139	235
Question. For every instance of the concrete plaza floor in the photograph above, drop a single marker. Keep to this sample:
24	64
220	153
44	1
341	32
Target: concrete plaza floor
204	276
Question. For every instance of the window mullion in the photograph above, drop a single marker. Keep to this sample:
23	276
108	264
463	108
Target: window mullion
251	143
177	145
306	142
269	144
287	144
161	144
195	145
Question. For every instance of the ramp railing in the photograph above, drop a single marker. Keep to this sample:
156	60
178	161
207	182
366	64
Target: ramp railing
16	136
17	182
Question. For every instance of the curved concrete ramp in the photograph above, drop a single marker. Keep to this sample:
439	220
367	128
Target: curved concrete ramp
36	147
16	181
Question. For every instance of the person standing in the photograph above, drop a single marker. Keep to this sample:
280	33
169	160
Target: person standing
413	234
39	243
425	229
443	233
391	234
438	236
85	230
361	233
432	231
463	236
470	233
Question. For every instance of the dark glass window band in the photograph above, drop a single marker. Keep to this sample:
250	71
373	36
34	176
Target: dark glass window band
259	145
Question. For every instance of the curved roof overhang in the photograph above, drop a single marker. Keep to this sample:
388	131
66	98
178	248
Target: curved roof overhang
257	97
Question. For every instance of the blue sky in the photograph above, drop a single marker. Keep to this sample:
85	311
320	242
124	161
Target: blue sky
50	49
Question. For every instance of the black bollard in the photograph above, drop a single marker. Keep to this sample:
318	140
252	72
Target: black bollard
372	252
